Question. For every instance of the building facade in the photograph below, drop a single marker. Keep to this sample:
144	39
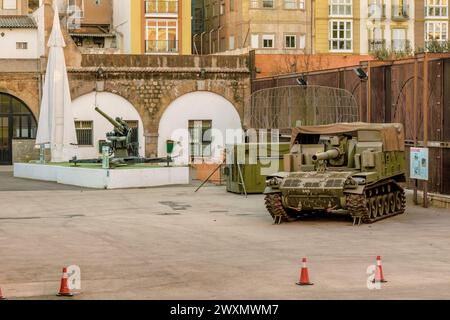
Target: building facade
89	23
267	26
362	27
153	26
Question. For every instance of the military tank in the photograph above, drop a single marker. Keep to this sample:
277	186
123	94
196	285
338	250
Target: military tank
354	169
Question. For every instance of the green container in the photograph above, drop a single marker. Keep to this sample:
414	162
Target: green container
170	145
253	175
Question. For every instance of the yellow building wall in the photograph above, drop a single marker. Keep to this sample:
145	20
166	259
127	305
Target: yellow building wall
138	29
321	26
136	26
186	23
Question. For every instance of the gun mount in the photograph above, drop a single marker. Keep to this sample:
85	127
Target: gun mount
119	140
122	150
329	155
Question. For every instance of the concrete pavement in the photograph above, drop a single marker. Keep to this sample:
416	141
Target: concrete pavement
172	243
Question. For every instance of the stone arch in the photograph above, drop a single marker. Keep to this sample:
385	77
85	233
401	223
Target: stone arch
29	102
115	106
173	95
210	108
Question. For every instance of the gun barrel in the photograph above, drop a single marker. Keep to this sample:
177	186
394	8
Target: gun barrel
116	124
330	154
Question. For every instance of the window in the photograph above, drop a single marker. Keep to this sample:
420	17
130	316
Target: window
231	5
9	4
161	7
23	123
302	42
341	8
84	130
436	8
399	42
340	38
21	45
200	138
290	4
231	43
268	41
294	4
436	31
222	8
290	41
268	3
162	35
254	4
255	41
134	125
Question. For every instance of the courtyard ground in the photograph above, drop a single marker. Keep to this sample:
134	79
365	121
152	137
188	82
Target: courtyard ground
172	243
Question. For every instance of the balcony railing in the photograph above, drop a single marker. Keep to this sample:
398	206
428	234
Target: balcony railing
377	44
376	11
400	12
161	7
400	45
436	11
161	46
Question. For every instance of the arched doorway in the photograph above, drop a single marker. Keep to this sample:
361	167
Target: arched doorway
16	122
201	123
91	127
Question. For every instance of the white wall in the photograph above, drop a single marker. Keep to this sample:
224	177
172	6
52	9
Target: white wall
39	17
9	39
114	106
200	105
121	24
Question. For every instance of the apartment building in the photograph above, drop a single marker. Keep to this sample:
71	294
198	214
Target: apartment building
18	30
433	22
89	23
154	26
362	27
268	26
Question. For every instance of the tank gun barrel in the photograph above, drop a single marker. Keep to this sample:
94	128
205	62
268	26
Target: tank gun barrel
116	124
330	154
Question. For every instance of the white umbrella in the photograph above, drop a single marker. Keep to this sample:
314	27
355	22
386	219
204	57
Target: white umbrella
56	123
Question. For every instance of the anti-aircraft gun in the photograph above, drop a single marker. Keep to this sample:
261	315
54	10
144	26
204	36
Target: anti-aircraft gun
346	168
122	149
119	140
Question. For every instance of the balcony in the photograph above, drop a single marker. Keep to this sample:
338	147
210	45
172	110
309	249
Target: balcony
398	45
376	11
376	44
161	46
436	11
161	7
400	13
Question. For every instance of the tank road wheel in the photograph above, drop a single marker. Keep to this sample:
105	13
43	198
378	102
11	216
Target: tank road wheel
398	201
391	201
380	206
386	204
373	207
274	205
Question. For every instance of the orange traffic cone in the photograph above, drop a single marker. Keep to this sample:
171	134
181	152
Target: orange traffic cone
304	276
379	277
64	290
1	295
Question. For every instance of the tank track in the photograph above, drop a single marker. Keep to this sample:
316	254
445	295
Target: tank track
379	201
274	205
